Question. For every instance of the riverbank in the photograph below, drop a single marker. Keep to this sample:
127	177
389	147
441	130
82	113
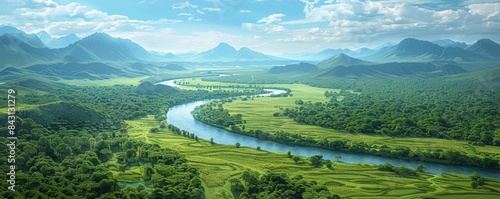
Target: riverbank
219	163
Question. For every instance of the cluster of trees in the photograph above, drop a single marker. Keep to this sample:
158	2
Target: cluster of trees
401	170
409	108
64	163
214	114
476	180
210	115
277	185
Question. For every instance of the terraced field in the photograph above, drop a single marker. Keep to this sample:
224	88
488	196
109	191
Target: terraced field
219	163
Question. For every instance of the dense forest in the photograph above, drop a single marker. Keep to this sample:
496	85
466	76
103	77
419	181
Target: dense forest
66	141
398	108
410	108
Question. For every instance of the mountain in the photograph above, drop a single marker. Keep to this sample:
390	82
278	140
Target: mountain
61	42
293	68
17	49
11	30
486	47
414	50
103	47
226	53
450	43
340	60
175	67
28	38
220	52
393	69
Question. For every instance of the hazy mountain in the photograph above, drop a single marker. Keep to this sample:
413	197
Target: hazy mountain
293	68
16	49
220	52
486	47
225	52
61	42
101	46
174	67
393	69
28	38
417	50
340	60
450	43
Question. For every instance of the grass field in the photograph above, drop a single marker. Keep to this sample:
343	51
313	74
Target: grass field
219	163
105	82
259	115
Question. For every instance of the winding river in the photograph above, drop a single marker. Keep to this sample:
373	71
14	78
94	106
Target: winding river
181	117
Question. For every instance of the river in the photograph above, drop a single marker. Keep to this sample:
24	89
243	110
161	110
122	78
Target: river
181	117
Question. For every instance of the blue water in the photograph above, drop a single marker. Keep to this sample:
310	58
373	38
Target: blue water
181	117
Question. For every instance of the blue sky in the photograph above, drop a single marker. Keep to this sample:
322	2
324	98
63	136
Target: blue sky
270	26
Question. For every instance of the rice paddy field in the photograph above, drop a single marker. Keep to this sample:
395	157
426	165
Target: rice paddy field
220	163
259	116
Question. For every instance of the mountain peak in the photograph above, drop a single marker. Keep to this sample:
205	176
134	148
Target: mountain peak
10	29
224	48
486	46
340	59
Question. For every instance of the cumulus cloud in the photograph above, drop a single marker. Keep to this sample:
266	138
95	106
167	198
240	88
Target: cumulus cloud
274	18
182	5
266	28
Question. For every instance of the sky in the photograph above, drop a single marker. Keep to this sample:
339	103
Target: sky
269	26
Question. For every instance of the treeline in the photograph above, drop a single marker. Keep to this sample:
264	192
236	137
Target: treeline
65	144
207	115
277	185
409	108
64	163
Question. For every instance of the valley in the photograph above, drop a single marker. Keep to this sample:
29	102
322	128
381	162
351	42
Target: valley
94	114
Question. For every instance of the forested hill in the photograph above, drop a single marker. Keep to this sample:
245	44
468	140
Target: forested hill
73	143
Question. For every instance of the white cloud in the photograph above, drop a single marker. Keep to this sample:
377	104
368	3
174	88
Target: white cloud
274	18
182	5
245	11
266	28
212	9
185	14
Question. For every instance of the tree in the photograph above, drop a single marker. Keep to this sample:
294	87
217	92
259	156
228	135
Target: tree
211	140
316	160
338	156
420	168
289	153
296	159
258	148
473	184
238	145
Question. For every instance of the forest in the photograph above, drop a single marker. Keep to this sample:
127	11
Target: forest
396	108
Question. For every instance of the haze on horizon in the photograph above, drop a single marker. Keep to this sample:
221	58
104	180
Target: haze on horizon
272	27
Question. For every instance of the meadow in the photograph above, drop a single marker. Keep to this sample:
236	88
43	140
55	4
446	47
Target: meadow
218	164
258	114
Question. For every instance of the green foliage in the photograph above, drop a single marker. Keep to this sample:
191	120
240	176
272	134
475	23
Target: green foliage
277	185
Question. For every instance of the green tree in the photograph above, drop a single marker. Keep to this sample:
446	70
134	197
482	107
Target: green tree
420	168
338	156
296	159
238	145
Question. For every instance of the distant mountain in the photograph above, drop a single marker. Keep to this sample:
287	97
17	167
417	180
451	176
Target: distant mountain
293	68
393	69
220	52
17	49
450	43
103	47
175	67
340	60
61	42
28	38
486	47
227	53
11	30
415	50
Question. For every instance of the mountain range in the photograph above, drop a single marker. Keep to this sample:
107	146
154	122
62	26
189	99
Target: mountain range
100	54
